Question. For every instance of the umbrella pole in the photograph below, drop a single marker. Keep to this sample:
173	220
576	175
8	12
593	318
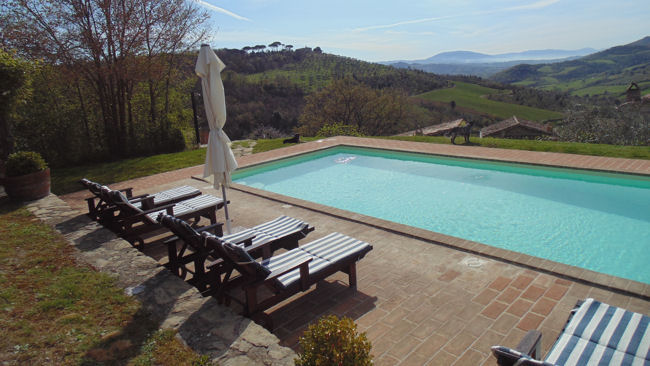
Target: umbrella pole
225	208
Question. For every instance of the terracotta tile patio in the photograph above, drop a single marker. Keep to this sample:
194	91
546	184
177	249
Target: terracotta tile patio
418	300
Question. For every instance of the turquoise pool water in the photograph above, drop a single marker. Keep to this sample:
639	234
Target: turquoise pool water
595	221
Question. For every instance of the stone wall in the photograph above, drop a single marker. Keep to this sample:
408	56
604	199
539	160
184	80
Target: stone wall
201	322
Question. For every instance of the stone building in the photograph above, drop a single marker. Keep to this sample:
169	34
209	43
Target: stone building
516	128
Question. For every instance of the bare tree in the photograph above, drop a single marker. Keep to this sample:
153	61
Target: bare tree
112	44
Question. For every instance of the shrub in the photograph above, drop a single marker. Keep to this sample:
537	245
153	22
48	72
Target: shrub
175	141
334	341
24	162
338	129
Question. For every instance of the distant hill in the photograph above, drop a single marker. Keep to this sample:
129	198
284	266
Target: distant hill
483	65
605	72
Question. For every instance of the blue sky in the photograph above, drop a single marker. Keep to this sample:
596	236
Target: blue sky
380	30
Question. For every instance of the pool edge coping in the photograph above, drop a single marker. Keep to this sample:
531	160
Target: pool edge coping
573	273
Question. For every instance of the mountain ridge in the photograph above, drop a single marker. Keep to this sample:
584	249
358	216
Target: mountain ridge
610	71
465	57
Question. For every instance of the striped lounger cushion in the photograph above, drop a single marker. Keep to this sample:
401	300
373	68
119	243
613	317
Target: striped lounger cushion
170	195
601	334
280	227
324	252
188	206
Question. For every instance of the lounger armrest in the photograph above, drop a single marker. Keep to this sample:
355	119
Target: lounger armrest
127	191
138	198
217	226
142	216
247	240
218	229
288	268
169	209
531	344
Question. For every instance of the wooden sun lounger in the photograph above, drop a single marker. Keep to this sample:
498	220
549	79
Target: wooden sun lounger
97	203
131	222
290	272
189	247
595	334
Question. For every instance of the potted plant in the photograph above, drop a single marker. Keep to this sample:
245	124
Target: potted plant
27	176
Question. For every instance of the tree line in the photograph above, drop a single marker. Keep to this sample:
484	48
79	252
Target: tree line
106	81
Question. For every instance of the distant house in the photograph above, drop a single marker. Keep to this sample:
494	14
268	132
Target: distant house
435	130
633	98
633	93
516	128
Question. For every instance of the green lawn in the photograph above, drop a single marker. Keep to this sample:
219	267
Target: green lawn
473	97
54	310
630	152
66	180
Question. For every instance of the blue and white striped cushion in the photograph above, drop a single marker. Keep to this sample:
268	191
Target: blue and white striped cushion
601	334
281	226
324	252
191	205
259	238
334	247
290	258
277	228
169	195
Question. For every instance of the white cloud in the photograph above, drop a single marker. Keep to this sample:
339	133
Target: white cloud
209	6
406	22
410	33
537	5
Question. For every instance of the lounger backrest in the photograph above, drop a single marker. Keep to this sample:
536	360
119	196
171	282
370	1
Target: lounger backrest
93	187
238	257
183	230
120	200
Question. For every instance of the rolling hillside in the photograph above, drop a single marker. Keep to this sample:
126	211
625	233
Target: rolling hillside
472	97
605	72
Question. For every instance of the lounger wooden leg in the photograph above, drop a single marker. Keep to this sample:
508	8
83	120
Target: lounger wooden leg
172	258
92	210
251	301
352	275
199	274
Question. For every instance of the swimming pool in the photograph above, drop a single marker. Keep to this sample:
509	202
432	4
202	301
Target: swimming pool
597	221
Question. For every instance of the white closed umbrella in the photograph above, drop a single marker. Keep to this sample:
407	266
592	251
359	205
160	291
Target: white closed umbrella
219	159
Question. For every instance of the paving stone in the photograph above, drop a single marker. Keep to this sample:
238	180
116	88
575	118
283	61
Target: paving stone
202	323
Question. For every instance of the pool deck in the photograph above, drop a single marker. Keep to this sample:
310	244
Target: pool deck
423	297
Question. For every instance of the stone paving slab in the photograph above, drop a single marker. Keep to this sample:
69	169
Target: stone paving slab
202	323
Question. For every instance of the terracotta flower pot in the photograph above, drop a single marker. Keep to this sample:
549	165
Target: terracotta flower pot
29	186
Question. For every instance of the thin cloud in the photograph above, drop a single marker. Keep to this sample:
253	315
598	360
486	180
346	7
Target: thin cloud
406	22
535	5
209	6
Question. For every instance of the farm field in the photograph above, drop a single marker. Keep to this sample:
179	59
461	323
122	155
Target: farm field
474	97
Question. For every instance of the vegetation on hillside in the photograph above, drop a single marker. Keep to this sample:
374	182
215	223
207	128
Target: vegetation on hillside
474	97
605	72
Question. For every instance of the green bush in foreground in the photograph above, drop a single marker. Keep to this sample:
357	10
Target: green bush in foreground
334	341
